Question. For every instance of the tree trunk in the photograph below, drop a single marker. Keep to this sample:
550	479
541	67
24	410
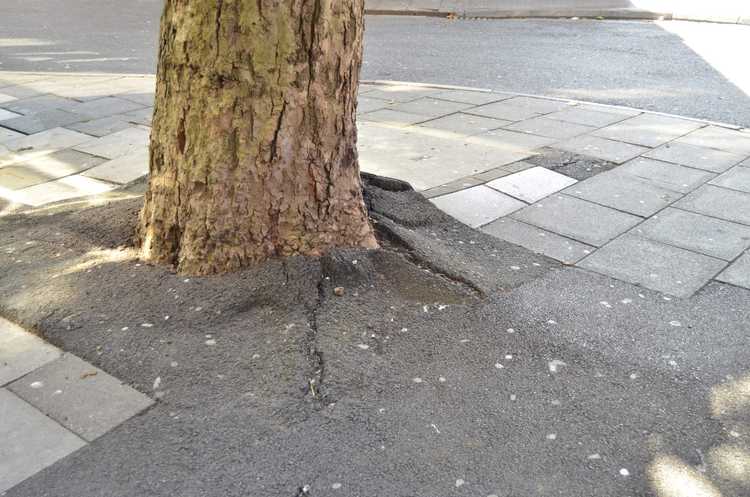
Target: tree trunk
253	147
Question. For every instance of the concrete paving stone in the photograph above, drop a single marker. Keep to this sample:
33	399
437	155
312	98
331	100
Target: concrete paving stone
511	140
21	91
123	169
453	186
365	88
6	98
648	130
465	124
574	218
62	163
431	107
477	205
144	98
737	178
90	88
624	193
101	127
30	441
47	141
471	97
539	105
724	139
698	157
665	174
21	352
365	104
494	173
40	103
744	163
42	121
142	116
105	107
117	144
538	240
601	148
516	167
18	177
393	117
79	396
654	265
550	128
707	235
399	93
587	117
7	135
504	110
62	189
738	273
6	114
623	111
715	201
531	185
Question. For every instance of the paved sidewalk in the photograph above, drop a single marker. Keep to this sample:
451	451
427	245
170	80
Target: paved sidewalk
52	404
654	200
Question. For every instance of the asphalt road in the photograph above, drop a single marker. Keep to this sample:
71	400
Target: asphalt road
691	69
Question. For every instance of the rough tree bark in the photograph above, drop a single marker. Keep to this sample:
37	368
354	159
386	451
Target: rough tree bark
253	147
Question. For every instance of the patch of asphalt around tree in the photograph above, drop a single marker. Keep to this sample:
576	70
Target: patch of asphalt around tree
445	368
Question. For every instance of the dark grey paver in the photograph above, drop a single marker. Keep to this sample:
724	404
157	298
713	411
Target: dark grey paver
477	205
648	130
715	201
654	265
666	175
105	107
540	241
44	120
584	221
21	352
38	104
624	192
84	399
551	128
101	127
696	232
738	273
737	178
708	159
601	148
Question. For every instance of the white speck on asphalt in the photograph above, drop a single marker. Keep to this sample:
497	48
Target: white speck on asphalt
210	341
498	366
157	382
363	346
675	323
551	321
606	304
417	380
633	376
441	379
556	402
459	482
555	364
124	328
513	397
626	301
147	325
624	472
510	330
173	364
337	486
593	457
435	428
551	436
515	268
37	384
509	356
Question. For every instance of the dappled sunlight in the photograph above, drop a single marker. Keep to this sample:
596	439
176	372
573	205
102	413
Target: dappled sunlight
97	257
671	477
731	398
732	463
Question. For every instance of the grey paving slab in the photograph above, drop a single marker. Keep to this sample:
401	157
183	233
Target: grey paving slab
538	105
518	166
551	128
587	117
495	173
431	107
79	396
584	221
21	352
707	235
504	110
41	121
465	124
7	135
21	91
6	114
401	93
538	240
6	98
715	201
117	144
62	163
737	178
704	158
40	103
738	273
123	169
62	189
625	193
666	175
471	97
101	127
511	140
18	177
477	205
145	98
47	141
622	111
648	130
601	148
744	163
365	104
104	107
30	441
654	265
531	184
392	117
724	139
453	186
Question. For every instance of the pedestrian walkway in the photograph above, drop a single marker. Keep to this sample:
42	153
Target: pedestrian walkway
654	200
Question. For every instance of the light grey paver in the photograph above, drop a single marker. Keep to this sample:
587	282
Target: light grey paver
62	163
707	235
465	124
504	110
82	398
393	117
539	105
101	127
587	117
471	97
40	103
365	104
515	167
704	158
7	135
431	107
30	441
654	265
6	114
145	98
18	177
715	201
737	178
41	121
744	163
123	169
584	221
401	93
724	139
477	205
738	273
61	189
511	140
117	144
21	352
648	130
531	184
47	141
665	174
551	128
624	192
538	240
601	148
105	107
6	98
